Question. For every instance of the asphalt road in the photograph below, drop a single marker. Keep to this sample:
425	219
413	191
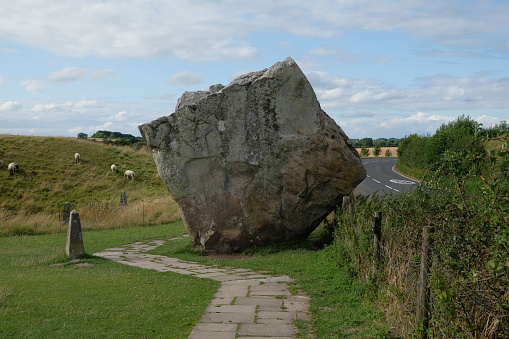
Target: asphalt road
381	179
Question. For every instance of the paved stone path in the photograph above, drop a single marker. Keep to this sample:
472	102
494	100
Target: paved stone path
248	305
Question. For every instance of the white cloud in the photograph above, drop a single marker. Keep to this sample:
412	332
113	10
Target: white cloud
85	103
71	106
216	30
183	78
34	86
398	127
1	81
101	75
9	106
454	93
433	93
331	94
487	120
120	116
375	95
45	107
66	74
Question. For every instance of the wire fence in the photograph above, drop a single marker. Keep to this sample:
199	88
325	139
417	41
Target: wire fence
99	214
442	302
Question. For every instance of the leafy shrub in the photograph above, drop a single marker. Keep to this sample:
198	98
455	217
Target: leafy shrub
377	150
466	199
364	151
410	151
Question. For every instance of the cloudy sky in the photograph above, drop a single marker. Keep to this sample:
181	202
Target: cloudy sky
380	68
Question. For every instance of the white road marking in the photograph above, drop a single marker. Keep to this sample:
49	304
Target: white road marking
402	182
391	188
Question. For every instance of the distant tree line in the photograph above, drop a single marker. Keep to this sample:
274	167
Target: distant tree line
114	138
380	142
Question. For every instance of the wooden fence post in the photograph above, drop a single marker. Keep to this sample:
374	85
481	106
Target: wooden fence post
423	311
123	199
377	235
347	205
67	211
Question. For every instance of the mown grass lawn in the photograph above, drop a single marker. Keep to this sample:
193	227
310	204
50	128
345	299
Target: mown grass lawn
44	296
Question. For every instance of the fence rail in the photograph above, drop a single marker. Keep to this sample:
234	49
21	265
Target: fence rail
103	214
425	297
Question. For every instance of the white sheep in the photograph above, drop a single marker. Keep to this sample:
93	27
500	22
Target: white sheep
129	174
114	168
13	167
77	157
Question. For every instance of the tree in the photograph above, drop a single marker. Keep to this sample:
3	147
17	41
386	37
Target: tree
411	149
452	137
368	142
377	150
82	136
364	151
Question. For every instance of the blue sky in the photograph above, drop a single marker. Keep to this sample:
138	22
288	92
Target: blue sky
379	68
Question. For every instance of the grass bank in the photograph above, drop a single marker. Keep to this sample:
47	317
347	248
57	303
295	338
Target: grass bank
32	199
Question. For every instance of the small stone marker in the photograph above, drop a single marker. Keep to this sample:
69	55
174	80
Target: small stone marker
67	211
74	246
123	199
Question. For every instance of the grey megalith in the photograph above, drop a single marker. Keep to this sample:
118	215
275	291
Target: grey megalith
254	162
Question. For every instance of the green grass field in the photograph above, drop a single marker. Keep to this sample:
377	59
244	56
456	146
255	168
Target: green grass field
42	295
32	200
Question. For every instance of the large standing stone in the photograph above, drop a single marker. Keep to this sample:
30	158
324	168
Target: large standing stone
255	162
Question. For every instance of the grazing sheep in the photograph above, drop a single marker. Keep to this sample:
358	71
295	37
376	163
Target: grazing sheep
114	168
13	167
129	174
77	157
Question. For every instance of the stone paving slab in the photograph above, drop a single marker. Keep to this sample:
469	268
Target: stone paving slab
212	335
231	308
275	330
228	317
247	305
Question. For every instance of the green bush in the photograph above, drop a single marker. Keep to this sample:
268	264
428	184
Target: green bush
452	137
364	151
466	199
411	151
377	149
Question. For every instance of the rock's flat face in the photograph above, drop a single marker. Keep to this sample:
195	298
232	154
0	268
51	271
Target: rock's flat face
254	162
